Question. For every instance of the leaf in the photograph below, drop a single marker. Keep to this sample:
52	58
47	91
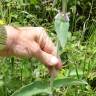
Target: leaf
34	2
92	75
67	82
34	88
61	28
73	8
43	86
73	72
1	83
2	22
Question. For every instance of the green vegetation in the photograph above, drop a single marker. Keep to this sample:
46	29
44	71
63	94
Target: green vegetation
28	75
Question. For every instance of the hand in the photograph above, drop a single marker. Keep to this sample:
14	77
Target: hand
31	41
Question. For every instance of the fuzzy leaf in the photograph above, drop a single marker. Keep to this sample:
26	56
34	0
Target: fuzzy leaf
34	88
61	28
67	82
39	87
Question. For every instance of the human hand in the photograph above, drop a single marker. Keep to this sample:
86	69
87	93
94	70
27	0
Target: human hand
31	41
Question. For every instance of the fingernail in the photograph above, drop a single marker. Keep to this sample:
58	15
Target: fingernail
54	61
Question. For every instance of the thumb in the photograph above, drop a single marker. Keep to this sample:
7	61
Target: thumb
50	60
46	58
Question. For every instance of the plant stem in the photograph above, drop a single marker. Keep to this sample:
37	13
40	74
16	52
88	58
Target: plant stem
64	6
51	82
54	2
54	71
12	66
77	71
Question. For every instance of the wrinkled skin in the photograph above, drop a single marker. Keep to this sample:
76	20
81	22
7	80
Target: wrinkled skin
28	42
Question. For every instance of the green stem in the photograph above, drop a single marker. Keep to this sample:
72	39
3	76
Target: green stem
12	66
64	6
77	71
5	87
54	2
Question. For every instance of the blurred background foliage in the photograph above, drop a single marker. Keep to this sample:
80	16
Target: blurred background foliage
79	56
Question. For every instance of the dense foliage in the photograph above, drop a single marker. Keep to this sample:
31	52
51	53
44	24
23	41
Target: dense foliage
79	55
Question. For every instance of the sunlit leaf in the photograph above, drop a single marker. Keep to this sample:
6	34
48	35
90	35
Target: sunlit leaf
2	22
73	72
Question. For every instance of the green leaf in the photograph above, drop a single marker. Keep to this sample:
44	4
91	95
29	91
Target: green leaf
73	72
43	86
1	83
61	28
34	2
34	88
73	8
67	82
